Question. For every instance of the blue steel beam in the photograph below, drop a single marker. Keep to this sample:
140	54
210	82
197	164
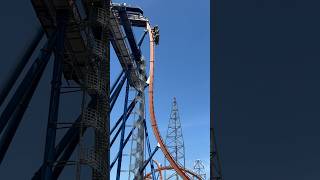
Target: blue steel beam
147	161
142	38
116	93
61	163
14	122
73	131
129	34
66	155
15	109
62	17
130	108
123	128
116	82
66	145
149	148
119	130
35	70
8	84
63	160
124	144
69	137
118	89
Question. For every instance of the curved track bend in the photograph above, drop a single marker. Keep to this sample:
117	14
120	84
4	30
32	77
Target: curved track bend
153	120
148	176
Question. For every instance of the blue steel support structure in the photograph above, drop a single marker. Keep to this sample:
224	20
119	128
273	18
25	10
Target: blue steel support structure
130	108
13	113
149	159
8	84
129	33
116	82
149	148
57	156
66	146
116	93
124	144
34	72
123	131
124	119
142	38
62	17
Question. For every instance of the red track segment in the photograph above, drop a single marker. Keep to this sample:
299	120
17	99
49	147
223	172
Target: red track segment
170	168
158	167
154	125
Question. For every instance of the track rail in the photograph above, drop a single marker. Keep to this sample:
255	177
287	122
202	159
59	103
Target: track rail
147	176
158	167
153	120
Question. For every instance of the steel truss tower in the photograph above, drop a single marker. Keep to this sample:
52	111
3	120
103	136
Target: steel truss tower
199	168
174	140
79	34
215	163
137	141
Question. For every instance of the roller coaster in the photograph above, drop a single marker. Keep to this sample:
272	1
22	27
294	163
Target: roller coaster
79	33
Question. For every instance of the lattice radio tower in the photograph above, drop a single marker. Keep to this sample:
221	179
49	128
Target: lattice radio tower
174	140
199	168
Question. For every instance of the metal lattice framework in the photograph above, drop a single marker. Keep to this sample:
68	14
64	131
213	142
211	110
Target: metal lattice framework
160	168
174	140
199	168
80	35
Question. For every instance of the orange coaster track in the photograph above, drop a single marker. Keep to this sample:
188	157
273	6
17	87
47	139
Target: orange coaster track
148	176
160	169
153	120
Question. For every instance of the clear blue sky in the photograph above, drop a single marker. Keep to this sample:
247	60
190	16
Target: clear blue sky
182	70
